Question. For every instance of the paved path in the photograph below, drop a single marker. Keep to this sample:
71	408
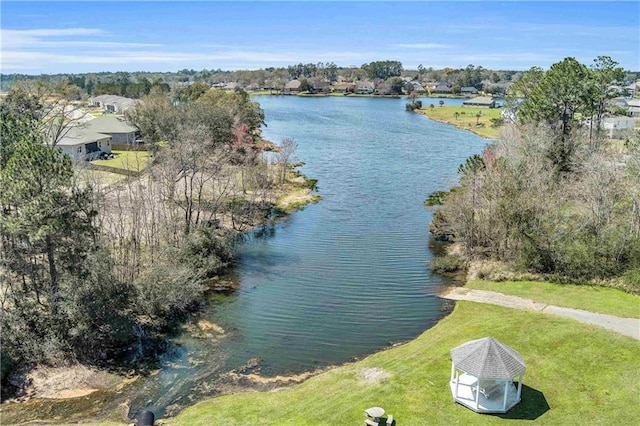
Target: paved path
626	326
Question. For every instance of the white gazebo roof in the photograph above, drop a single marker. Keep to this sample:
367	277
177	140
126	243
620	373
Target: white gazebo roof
488	358
488	368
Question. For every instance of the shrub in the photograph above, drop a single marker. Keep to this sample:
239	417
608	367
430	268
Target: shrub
447	263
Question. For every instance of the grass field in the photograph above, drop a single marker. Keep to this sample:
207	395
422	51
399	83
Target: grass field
128	160
591	298
576	374
466	118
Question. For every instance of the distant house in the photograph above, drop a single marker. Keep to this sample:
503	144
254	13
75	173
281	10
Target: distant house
617	127
480	101
81	144
293	86
113	103
344	87
321	86
120	131
365	87
417	87
632	106
442	88
633	88
231	86
469	90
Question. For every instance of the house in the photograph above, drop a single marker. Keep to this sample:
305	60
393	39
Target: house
344	88
321	86
633	88
293	86
480	101
618	127
632	106
81	144
121	132
417	87
442	88
113	103
365	87
469	90
231	86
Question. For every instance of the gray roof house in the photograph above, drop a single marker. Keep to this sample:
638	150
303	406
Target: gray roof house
469	89
480	101
365	87
113	103
117	127
482	375
82	144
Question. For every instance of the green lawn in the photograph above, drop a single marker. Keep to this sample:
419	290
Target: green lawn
466	118
128	160
591	298
576	374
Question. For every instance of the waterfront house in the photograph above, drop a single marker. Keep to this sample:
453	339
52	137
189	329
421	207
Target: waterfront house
442	88
344	88
468	90
292	86
365	87
480	101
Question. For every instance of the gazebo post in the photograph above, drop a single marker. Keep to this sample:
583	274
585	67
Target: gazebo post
453	368
477	392
504	399
520	386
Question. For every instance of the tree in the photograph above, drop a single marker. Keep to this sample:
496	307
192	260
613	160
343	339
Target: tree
54	304
556	100
383	70
286	149
441	103
604	72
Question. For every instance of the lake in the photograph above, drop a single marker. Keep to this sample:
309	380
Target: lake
336	281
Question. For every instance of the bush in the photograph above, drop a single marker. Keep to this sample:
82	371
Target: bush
447	263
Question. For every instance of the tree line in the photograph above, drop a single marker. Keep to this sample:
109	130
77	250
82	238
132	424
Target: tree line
88	269
552	196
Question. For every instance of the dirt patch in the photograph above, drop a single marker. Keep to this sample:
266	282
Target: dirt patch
374	375
62	382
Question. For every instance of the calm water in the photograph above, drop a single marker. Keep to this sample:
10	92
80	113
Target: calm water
342	278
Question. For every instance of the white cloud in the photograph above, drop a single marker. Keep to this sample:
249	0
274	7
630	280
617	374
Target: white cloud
66	37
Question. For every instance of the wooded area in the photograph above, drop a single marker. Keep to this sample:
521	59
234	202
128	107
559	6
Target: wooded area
87	270
551	196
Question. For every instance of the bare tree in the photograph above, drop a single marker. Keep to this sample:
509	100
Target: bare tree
286	149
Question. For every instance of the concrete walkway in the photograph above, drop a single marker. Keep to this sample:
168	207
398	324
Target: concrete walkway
627	326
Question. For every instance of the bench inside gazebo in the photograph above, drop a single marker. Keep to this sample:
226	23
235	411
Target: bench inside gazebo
483	374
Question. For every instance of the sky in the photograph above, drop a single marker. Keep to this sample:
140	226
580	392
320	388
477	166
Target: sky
93	36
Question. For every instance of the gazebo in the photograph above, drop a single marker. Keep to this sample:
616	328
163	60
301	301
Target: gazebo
482	375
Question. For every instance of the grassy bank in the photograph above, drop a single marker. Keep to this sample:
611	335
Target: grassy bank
576	374
591	298
466	118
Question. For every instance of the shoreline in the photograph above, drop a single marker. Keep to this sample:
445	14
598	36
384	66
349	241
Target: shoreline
475	130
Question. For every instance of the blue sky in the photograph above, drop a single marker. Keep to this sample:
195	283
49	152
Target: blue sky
91	36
